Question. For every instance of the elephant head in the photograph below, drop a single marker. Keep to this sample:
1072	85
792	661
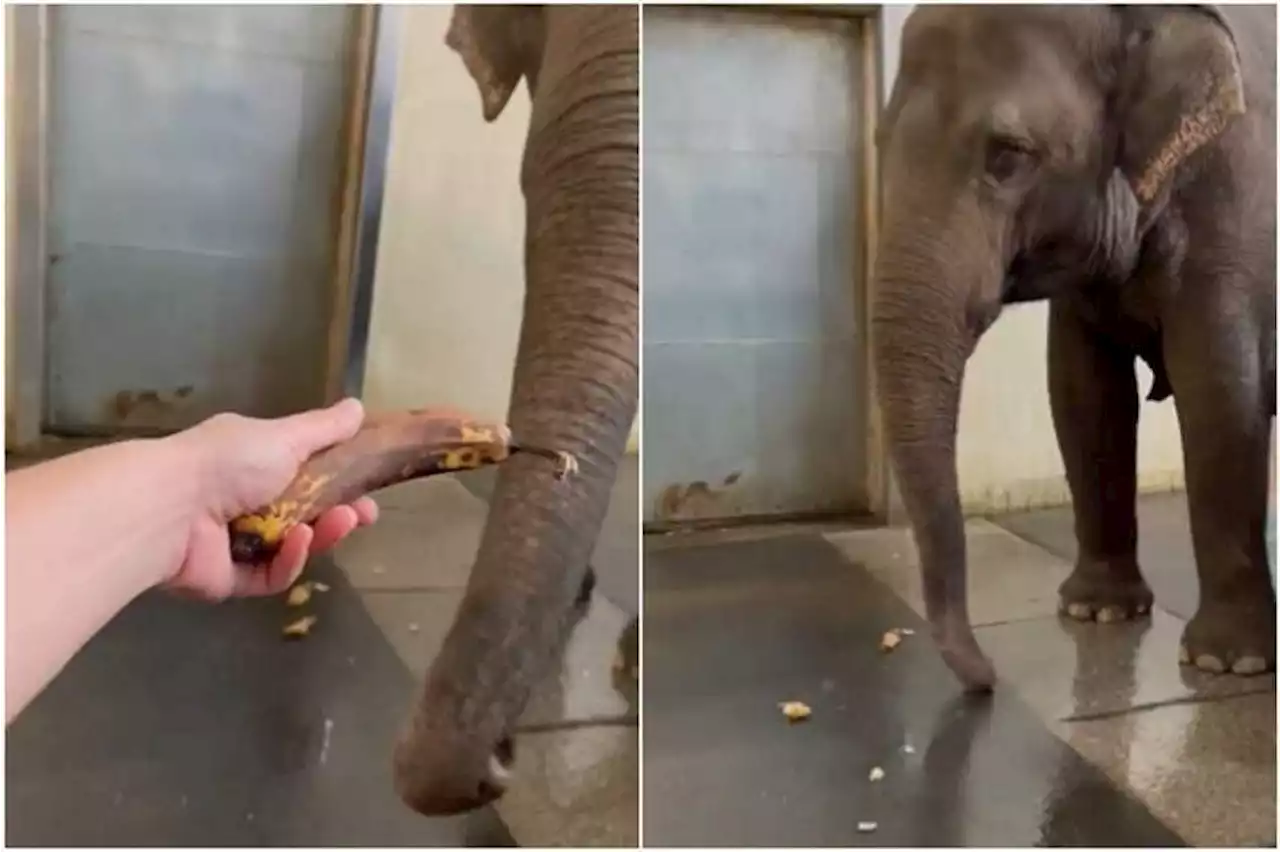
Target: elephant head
575	385
1025	150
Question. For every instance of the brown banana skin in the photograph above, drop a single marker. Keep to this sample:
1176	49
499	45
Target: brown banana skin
389	449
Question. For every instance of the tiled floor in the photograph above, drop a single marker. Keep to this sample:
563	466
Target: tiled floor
574	787
187	724
1096	735
184	724
1164	545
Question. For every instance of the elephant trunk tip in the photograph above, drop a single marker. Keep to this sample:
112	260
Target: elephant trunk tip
434	783
962	654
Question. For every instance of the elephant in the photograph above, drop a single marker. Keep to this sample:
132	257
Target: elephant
575	385
1119	163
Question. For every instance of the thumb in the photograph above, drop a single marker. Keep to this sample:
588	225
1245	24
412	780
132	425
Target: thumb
312	431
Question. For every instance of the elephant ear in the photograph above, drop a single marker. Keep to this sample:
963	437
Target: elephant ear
1184	89
499	45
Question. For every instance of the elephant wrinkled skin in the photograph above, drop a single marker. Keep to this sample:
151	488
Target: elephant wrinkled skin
1120	162
575	388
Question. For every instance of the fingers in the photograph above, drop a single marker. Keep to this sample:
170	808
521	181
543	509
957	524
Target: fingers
283	570
302	542
312	431
333	526
209	573
339	522
367	510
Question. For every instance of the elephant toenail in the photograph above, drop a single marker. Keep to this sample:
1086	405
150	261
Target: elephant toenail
1249	666
1184	656
1210	663
1080	611
1144	608
499	774
1108	615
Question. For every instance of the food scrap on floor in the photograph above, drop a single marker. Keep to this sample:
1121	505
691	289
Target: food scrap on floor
300	628
299	595
795	711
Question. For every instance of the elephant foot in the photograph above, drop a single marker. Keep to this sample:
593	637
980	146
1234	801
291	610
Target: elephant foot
1235	637
1104	593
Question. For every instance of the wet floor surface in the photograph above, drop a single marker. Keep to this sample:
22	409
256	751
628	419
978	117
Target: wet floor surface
187	724
577	776
1164	545
1095	736
184	724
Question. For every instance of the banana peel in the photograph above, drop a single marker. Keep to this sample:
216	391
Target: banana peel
389	449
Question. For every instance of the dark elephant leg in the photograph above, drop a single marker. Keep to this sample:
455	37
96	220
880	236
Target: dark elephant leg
1093	391
1223	411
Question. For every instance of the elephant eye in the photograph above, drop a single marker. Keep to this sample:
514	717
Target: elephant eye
1007	157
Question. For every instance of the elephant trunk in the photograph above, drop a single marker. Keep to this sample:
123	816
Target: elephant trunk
927	315
576	386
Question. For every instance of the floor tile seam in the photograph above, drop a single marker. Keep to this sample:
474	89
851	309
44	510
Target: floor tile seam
1039	545
434	588
606	721
561	726
661	541
1147	706
364	594
1147	797
1034	713
1049	719
622	608
1059	728
1022	619
402	590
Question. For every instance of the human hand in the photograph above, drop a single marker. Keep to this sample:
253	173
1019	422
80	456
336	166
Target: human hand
244	463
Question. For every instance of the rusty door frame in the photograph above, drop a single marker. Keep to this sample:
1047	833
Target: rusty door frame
27	205
372	100
875	492
374	59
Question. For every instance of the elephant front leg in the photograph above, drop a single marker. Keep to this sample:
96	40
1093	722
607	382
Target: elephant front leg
1094	396
1222	412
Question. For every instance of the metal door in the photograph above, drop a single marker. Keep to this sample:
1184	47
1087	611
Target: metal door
751	232
195	158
